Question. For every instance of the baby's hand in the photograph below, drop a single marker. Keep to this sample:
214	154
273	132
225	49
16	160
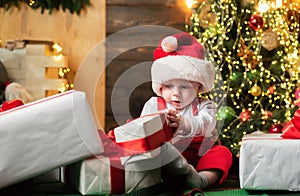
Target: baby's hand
174	119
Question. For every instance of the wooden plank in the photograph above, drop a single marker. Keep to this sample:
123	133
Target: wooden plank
136	100
136	54
136	37
122	17
116	68
143	2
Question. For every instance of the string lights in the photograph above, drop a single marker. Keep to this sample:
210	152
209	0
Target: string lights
63	72
255	45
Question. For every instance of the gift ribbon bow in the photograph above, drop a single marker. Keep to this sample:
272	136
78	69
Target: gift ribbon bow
292	129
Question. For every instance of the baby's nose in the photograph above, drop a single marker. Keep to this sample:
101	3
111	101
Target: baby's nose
176	91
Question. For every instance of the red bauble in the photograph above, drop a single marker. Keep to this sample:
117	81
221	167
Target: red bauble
275	128
256	22
270	90
245	115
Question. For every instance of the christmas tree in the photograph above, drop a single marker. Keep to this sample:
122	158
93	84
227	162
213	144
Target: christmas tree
74	6
255	45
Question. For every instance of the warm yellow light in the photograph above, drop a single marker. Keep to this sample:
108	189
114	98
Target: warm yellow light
57	47
189	3
278	3
263	7
58	58
31	2
60	72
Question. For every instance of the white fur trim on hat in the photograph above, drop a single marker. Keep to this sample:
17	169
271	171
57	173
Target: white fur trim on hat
182	67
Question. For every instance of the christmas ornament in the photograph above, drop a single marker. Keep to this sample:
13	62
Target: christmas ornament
236	79
267	115
270	90
250	59
247	56
256	22
269	40
226	113
276	69
245	115
243	47
292	17
275	128
207	17
255	91
253	75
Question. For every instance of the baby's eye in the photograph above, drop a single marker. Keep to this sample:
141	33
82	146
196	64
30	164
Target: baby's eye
168	85
185	87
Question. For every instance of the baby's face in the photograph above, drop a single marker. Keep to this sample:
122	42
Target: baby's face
180	93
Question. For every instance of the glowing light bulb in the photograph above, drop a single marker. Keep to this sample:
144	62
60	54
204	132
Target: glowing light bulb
263	7
278	3
57	47
189	3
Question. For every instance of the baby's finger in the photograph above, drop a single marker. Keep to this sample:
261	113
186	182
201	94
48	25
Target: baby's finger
172	118
173	124
172	112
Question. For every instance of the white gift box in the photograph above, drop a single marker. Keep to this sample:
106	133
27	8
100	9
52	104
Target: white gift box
268	162
55	175
141	127
106	175
144	134
102	175
46	134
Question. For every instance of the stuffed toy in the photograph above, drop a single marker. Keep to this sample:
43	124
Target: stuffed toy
12	90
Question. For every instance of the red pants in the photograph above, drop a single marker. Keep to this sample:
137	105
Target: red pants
204	154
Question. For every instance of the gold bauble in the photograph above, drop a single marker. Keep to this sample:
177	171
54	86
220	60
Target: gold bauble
269	40
206	17
255	91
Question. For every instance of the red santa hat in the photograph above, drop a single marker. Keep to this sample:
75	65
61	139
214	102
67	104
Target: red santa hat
181	56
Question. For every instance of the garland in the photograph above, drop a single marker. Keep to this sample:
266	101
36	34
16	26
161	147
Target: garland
74	6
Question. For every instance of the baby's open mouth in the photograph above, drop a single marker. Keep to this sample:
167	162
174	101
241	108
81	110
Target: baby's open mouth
176	102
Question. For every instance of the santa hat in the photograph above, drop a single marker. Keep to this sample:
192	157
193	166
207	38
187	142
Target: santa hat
181	56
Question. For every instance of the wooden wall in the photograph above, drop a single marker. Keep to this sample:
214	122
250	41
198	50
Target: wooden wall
77	35
127	103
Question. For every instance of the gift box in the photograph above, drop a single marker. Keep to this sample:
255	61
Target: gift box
46	134
142	135
107	174
55	175
269	162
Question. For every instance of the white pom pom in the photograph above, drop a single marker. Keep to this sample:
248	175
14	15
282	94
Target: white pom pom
169	44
